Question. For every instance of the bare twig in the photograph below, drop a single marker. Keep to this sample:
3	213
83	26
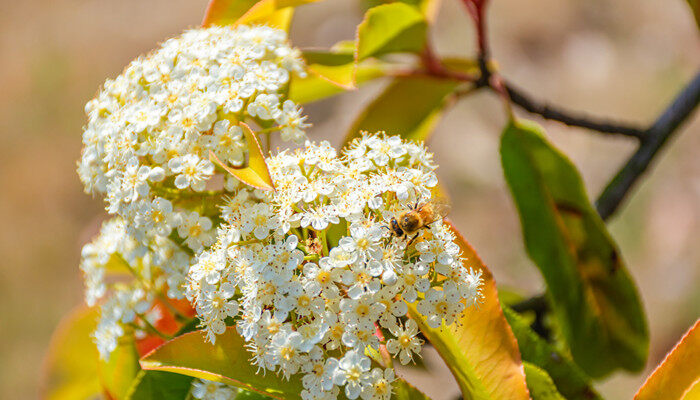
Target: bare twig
569	117
537	304
655	137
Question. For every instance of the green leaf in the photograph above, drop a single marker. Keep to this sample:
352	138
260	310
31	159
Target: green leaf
429	8
540	383
567	376
403	390
332	72
225	361
678	374
71	362
152	385
256	173
275	13
695	7
248	395
390	28
409	107
118	373
228	361
593	296
479	349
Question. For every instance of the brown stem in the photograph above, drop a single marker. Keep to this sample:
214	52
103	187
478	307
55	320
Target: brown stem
652	141
570	118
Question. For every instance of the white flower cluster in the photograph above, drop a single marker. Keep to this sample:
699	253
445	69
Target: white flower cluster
314	277
146	150
161	269
150	130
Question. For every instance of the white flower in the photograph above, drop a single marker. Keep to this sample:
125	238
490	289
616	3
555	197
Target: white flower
284	350
439	305
353	373
406	343
203	389
319	378
265	107
259	221
191	171
361	310
195	230
380	385
156	216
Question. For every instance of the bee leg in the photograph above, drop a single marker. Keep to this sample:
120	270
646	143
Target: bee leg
412	239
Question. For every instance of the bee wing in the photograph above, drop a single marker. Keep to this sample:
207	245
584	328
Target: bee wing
441	207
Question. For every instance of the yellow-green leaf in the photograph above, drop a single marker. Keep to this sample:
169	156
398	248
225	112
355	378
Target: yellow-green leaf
118	373
228	361
570	381
276	13
332	72
70	371
678	374
390	28
256	174
409	107
479	348
540	383
592	294
429	8
225	361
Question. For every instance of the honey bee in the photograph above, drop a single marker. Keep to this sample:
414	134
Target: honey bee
410	222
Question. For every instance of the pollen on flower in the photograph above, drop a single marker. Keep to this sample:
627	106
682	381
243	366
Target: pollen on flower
317	271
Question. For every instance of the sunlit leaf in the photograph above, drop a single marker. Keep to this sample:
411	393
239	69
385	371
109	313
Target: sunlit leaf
570	381
592	294
429	8
479	348
403	390
118	373
540	383
409	107
71	364
256	173
152	385
332	72
390	28
693	393
678	374
228	361
276	13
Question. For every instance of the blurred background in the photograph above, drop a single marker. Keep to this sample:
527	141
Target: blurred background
617	58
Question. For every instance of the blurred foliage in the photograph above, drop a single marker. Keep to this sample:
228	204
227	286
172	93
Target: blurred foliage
592	294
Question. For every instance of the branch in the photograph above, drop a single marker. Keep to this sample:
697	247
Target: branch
568	117
655	137
537	304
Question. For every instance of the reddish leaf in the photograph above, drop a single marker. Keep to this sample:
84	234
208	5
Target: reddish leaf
677	375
